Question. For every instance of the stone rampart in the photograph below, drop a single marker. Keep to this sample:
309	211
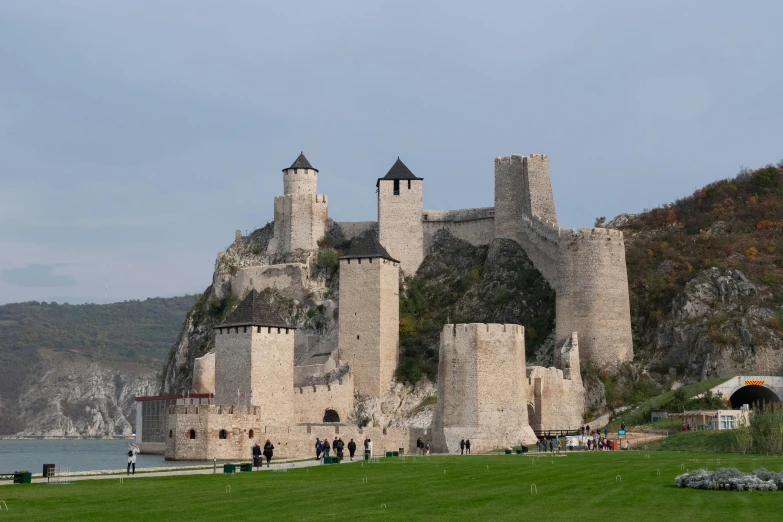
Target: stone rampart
474	225
300	221
290	279
204	373
481	387
243	426
312	402
351	229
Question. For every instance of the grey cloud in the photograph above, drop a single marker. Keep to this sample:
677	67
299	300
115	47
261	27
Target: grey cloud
35	275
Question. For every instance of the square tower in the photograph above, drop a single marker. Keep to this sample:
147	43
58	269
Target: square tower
369	328
400	228
254	360
482	387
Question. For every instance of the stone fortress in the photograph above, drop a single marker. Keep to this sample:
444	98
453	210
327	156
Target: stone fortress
271	382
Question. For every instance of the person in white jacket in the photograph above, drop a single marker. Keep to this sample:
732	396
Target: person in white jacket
133	450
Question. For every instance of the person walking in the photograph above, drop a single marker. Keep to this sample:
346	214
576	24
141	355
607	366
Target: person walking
132	452
419	445
538	445
467	446
351	448
268	451
462	447
427	448
327	448
256	455
340	446
551	446
622	426
369	446
319	447
606	432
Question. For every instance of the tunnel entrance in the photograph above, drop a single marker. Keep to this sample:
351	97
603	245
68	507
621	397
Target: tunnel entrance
331	416
752	394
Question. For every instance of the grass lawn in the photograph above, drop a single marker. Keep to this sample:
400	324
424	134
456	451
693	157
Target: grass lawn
580	486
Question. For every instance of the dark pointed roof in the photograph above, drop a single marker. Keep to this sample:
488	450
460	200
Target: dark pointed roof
301	163
255	310
367	245
398	171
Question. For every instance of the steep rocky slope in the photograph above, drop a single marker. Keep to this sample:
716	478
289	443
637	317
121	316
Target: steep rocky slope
73	370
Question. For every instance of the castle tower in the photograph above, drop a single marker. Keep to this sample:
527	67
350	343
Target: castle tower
254	360
300	213
482	387
522	188
369	314
400	227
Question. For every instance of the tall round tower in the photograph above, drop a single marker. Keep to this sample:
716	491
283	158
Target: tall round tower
300	213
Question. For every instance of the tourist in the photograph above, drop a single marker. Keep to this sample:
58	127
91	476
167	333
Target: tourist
557	442
462	447
335	447
351	448
366	449
427	448
551	446
339	448
327	447
467	446
319	447
369	446
606	432
587	429
268	451
622	426
538	444
132	452
419	445
256	455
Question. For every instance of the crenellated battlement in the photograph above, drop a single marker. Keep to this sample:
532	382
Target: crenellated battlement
473	329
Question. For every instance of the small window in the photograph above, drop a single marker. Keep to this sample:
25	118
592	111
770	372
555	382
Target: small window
250	434
357	336
223	434
171	434
409	184
396	187
192	434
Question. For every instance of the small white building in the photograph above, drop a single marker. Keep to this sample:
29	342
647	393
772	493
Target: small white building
713	419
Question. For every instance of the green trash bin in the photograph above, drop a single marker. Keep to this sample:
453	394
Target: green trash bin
508	452
389	453
248	466
366	455
23	477
327	460
229	468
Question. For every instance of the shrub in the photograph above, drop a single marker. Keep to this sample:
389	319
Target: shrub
328	258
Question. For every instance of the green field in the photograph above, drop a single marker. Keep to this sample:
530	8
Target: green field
579	486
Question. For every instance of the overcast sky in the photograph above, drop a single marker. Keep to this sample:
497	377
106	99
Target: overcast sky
135	137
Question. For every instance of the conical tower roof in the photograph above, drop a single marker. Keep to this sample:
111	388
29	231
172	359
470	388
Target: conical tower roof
367	245
301	163
398	171
255	310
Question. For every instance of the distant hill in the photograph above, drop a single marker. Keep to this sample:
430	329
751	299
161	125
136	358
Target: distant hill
57	362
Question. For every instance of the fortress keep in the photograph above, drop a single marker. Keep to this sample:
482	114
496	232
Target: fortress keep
269	380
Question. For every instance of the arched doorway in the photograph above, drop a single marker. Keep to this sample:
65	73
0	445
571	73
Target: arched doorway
752	394
331	416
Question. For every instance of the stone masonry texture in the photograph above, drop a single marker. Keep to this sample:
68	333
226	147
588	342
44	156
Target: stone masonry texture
400	228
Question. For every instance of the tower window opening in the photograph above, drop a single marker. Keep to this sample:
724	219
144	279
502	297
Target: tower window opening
409	184
357	336
396	187
192	434
223	434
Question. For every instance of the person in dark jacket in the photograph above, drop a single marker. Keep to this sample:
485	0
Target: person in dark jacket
268	451
339	446
462	447
327	448
467	446
256	455
319	447
351	448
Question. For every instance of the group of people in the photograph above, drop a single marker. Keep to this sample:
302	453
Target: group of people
268	452
324	448
464	447
423	447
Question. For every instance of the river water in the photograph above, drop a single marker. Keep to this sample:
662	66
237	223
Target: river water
78	455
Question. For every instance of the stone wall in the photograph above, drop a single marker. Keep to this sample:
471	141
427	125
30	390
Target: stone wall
555	403
474	225
255	365
351	229
204	373
369	322
482	388
300	181
300	221
290	279
311	402
400	228
244	427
